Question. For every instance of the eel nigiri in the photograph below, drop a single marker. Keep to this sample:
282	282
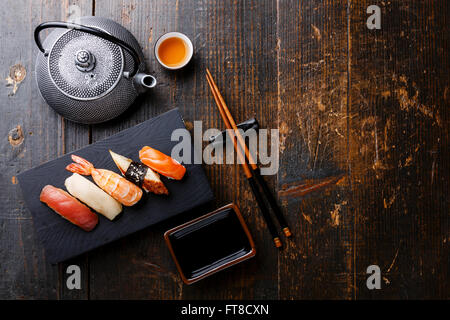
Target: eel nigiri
68	207
139	174
88	193
162	163
112	183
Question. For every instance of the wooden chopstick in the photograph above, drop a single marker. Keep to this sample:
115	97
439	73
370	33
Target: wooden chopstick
248	173
230	120
231	124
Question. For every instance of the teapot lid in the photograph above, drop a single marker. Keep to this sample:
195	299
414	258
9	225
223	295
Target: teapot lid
84	66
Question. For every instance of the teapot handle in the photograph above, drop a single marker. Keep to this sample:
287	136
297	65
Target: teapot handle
90	30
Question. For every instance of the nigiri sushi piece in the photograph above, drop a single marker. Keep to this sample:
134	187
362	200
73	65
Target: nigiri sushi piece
162	163
88	193
68	207
139	174
112	183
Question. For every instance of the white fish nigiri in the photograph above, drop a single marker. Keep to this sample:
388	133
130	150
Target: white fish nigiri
88	193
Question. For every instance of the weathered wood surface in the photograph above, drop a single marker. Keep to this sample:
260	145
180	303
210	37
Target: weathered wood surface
42	136
312	109
363	114
399	148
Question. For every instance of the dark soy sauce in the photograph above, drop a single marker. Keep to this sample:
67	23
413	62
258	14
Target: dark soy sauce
210	243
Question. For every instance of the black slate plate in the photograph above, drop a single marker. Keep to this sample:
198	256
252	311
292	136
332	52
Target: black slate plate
63	240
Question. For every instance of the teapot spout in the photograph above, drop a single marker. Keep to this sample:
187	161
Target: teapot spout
144	81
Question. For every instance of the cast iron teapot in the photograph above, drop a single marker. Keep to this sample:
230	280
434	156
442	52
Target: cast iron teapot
90	72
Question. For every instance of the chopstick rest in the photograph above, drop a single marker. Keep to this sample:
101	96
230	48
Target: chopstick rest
246	125
251	168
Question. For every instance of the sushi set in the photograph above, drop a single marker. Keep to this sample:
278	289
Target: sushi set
117	196
92	72
112	191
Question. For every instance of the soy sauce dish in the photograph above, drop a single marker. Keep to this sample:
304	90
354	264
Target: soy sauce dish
210	243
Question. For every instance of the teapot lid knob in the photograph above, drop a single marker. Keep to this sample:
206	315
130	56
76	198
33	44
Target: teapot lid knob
84	60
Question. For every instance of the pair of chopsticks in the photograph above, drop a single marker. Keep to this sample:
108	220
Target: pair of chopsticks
252	171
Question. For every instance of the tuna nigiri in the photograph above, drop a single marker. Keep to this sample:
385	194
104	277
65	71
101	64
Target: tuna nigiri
88	193
162	163
68	207
139	174
113	184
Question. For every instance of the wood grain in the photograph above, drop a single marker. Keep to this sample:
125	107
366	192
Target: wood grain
211	42
363	118
312	116
399	151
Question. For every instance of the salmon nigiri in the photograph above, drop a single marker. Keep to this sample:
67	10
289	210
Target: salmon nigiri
112	183
162	163
68	207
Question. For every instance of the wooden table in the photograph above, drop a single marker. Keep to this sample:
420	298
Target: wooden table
363	115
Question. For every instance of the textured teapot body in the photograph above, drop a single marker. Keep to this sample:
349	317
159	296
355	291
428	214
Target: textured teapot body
86	78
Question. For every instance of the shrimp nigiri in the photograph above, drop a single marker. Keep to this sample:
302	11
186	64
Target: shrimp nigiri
112	183
162	163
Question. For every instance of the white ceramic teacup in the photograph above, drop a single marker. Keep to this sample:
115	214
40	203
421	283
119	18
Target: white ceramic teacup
188	46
